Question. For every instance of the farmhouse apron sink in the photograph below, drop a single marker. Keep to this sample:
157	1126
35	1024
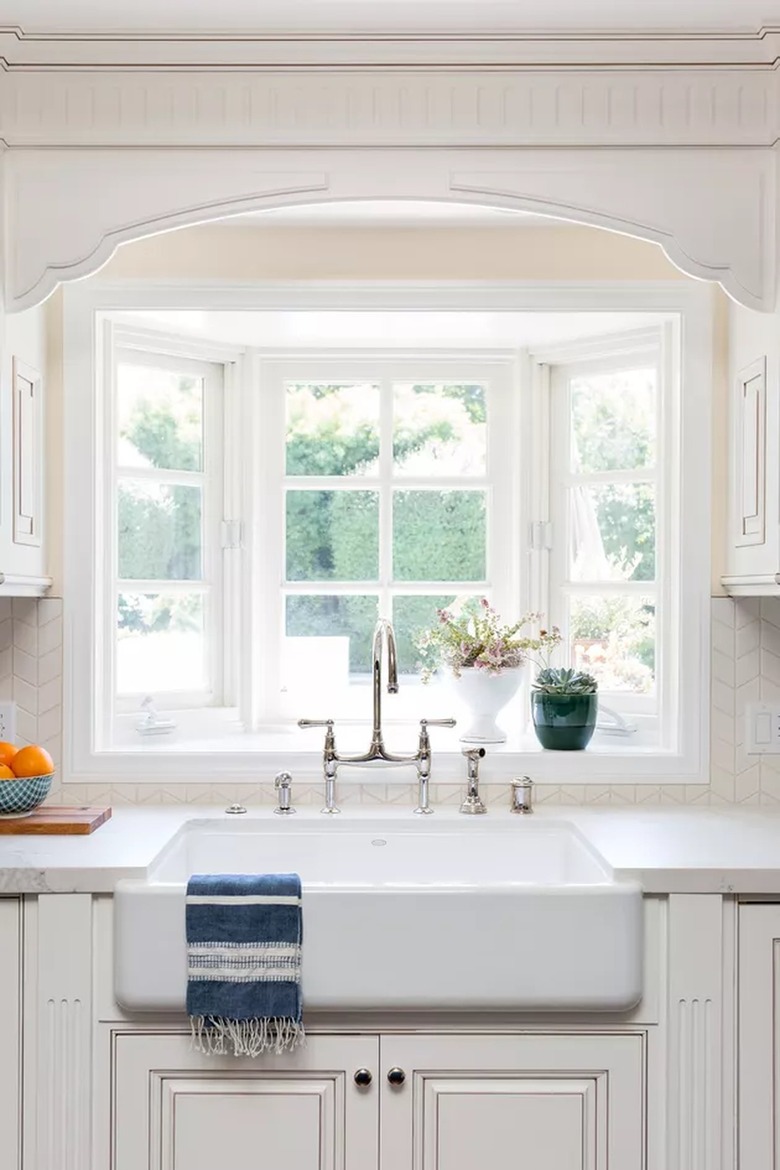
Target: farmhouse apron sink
406	915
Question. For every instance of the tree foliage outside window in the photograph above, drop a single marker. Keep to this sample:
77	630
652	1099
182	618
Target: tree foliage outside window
332	535
159	525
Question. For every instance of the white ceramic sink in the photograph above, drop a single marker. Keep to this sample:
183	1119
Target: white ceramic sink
418	914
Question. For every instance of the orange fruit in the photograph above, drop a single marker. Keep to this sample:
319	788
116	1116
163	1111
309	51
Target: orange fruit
7	752
32	761
6	773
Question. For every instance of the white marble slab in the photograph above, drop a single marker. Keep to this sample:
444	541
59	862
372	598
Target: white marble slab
671	850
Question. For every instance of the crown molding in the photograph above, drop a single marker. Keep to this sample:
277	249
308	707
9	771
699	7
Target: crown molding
22	50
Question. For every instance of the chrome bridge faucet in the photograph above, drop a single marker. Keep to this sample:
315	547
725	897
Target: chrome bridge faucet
331	759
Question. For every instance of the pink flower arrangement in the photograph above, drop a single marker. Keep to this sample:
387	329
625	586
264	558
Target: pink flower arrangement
475	637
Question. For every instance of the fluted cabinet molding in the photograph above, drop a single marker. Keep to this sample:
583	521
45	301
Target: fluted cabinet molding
58	1032
501	106
695	1011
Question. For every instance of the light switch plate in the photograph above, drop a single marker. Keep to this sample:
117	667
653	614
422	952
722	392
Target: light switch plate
8	721
763	729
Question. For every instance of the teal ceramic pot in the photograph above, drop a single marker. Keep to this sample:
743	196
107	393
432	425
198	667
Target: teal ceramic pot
564	723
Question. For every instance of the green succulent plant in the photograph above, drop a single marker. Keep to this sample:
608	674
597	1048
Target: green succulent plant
565	681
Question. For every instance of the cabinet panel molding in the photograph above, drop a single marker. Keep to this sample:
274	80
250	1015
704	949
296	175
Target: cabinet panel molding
750	462
245	1122
27	454
558	1123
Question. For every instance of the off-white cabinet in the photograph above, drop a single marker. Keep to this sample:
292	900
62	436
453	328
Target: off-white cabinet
547	1101
174	1109
10	1033
23	464
439	1102
752	550
759	1037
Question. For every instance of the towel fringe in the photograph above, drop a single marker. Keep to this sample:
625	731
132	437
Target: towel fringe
221	1036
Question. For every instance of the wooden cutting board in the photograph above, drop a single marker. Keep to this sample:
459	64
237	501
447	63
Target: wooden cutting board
53	820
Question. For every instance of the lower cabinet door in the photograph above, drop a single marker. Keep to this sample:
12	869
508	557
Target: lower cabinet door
758	1068
545	1102
174	1109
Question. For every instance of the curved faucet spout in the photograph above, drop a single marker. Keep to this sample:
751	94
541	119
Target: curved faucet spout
383	632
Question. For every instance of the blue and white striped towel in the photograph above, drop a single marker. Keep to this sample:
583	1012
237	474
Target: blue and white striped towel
244	937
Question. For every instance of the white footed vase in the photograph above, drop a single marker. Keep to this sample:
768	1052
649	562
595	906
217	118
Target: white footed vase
485	695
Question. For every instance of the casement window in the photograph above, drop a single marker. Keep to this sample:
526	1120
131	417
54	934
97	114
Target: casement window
612	485
162	530
389	484
252	513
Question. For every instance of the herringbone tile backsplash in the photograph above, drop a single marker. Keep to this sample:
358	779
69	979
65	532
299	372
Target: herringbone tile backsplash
745	668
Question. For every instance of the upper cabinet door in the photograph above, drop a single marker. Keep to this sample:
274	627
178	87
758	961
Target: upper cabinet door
548	1102
28	454
751	549
175	1109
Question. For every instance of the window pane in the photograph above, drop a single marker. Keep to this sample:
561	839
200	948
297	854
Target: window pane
614	638
439	536
332	536
412	615
160	643
159	531
439	429
612	532
613	420
345	624
160	419
332	429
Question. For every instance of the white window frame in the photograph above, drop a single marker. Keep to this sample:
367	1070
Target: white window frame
613	763
658	347
144	350
498	371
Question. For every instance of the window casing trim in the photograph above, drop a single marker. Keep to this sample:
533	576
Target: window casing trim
83	304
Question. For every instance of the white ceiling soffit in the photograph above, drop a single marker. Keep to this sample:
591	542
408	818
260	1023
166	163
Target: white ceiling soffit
390	213
389	330
438	17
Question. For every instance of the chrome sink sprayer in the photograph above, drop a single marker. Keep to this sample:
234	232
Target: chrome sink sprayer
384	635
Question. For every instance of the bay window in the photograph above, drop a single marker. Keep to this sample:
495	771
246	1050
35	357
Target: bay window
252	512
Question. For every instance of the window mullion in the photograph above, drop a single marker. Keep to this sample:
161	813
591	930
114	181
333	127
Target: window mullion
386	497
265	455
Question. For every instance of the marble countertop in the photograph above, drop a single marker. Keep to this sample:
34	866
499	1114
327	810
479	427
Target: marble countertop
668	850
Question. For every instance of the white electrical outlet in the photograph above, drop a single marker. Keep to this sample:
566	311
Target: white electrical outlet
763	729
8	721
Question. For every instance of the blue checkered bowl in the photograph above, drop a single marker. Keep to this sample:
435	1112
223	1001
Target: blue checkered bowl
20	797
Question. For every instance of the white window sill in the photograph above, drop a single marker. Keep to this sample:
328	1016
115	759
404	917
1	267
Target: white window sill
255	757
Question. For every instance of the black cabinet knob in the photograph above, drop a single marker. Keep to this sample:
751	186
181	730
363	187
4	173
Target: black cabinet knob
396	1076
363	1078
